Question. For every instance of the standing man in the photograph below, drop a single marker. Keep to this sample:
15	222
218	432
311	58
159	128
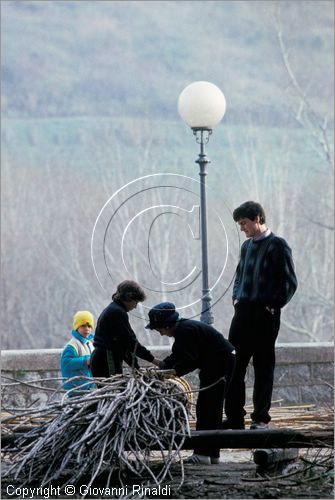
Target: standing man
198	345
265	282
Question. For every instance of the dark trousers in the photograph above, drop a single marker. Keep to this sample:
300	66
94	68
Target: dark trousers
209	407
253	333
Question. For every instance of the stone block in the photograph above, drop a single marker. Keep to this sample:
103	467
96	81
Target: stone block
323	372
300	352
300	374
282	375
287	395
36	388
31	359
317	394
11	400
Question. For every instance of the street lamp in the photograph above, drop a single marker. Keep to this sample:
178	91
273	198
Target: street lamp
202	106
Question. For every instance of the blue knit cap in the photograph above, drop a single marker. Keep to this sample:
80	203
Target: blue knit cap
161	315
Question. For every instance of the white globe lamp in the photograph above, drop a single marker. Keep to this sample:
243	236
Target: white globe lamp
202	105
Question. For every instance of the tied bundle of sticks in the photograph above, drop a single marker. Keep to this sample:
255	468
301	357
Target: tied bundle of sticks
109	429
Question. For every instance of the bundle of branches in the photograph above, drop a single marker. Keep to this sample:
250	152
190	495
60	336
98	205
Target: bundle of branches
112	428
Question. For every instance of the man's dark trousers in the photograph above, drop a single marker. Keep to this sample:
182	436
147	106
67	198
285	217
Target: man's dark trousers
253	333
214	380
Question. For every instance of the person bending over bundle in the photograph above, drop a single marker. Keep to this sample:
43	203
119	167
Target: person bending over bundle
198	345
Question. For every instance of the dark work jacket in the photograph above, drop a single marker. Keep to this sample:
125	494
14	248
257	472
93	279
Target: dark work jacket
196	345
114	333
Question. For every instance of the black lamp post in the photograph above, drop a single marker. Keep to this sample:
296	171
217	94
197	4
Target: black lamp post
202	106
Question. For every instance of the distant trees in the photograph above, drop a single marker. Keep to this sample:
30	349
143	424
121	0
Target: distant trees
48	218
49	214
313	207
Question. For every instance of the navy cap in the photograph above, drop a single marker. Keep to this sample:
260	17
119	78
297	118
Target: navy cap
163	314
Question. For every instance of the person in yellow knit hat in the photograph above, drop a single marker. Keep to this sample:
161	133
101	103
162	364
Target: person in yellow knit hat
76	355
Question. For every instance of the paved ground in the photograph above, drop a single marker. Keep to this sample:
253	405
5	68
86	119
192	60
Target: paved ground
237	476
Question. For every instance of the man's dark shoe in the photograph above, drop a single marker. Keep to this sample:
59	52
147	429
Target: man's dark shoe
232	424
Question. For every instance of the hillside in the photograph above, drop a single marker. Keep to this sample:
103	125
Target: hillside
134	57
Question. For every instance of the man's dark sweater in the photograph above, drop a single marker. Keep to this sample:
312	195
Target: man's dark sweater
265	274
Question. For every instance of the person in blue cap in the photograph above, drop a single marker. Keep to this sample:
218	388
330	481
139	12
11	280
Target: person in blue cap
197	346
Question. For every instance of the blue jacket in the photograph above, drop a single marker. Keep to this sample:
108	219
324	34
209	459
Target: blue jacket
73	362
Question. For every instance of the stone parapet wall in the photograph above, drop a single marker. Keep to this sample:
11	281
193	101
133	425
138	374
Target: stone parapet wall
304	374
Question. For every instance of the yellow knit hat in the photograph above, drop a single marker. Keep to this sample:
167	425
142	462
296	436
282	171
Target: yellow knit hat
81	318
